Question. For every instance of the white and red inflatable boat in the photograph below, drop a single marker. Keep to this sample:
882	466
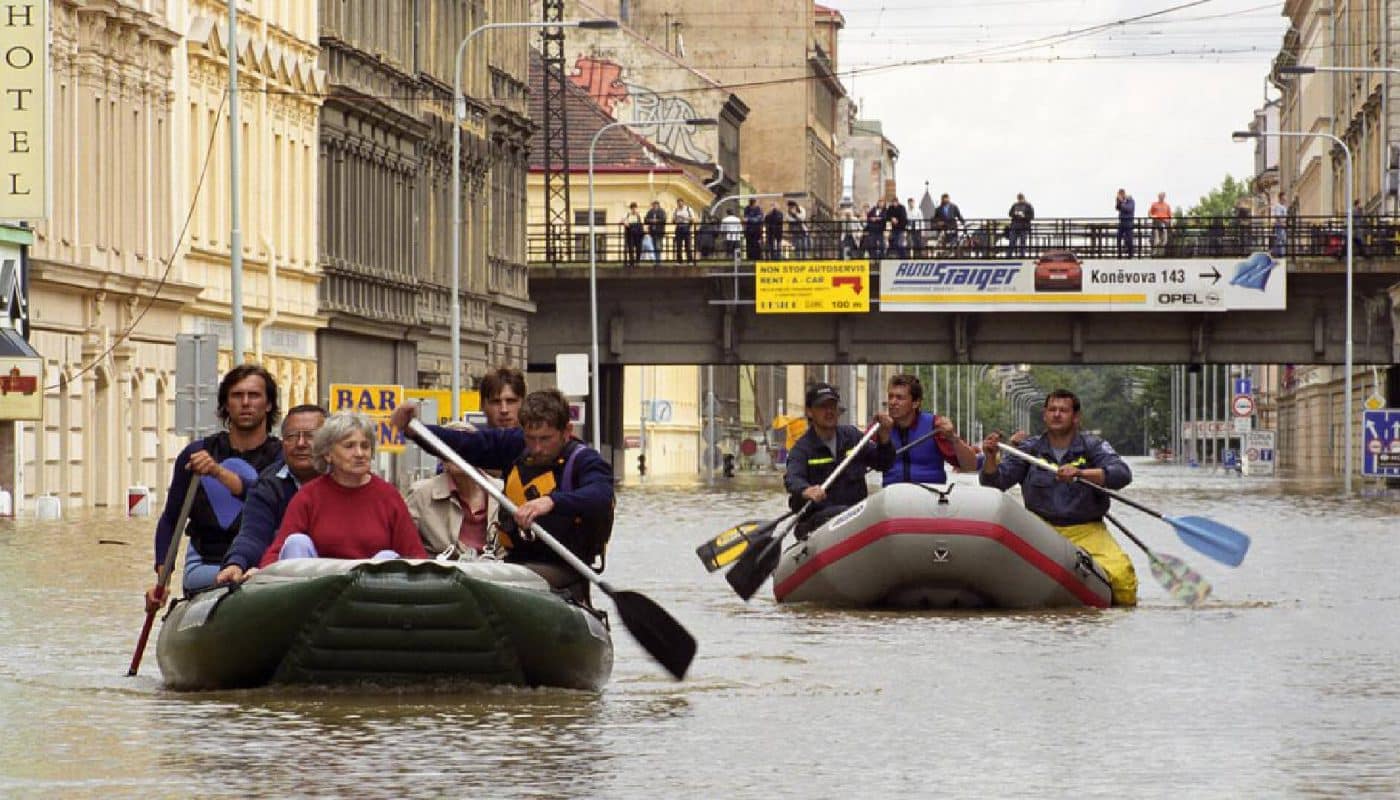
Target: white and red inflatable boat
927	546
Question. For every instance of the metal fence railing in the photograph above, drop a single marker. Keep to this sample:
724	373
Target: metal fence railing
1219	237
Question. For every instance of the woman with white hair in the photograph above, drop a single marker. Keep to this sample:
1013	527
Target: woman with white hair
348	512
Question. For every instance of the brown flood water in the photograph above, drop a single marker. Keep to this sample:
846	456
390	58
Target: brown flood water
1285	685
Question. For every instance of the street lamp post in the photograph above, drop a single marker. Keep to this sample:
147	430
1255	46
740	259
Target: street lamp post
459	113
1347	351
594	366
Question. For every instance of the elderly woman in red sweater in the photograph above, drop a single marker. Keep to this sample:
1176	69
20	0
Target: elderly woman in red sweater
347	512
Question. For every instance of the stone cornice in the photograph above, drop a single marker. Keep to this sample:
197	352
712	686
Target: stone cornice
60	273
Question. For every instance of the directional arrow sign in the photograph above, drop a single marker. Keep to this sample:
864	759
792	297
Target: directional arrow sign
1214	275
852	281
811	287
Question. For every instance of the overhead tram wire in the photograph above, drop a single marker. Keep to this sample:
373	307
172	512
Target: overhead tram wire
169	262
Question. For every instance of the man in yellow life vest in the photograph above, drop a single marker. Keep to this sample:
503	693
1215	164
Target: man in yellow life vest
552	477
1075	511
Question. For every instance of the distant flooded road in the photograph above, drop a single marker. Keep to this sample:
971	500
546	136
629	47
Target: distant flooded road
1286	684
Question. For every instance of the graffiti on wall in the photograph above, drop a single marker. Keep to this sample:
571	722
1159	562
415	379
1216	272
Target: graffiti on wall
623	99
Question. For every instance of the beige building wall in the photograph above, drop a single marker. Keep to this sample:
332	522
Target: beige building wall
115	273
672	447
770	50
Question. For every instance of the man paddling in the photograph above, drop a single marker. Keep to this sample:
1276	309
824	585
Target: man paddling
1075	511
923	461
227	464
551	476
269	498
819	451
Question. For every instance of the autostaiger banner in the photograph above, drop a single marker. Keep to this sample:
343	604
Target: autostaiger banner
1063	282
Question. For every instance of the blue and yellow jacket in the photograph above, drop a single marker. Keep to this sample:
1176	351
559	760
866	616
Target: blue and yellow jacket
1056	502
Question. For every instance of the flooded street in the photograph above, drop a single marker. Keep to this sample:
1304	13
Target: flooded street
1286	684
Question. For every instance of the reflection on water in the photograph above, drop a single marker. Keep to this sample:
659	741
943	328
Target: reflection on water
1284	684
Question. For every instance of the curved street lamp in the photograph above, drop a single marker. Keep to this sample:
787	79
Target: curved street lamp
459	113
594	367
1240	136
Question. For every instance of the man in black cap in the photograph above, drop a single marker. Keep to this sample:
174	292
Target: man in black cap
822	449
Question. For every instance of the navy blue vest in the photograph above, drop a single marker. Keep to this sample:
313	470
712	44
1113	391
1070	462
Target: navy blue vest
922	463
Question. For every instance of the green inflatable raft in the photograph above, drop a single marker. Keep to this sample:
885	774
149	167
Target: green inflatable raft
384	622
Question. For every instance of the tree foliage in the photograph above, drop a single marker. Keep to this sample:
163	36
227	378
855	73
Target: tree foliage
1220	201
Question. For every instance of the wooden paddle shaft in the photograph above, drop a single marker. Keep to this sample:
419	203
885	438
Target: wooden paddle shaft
163	579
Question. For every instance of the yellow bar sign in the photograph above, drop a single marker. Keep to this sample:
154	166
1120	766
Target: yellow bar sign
24	96
811	287
376	401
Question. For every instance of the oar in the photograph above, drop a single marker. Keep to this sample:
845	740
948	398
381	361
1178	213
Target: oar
1180	581
163	579
761	558
1216	539
655	630
726	547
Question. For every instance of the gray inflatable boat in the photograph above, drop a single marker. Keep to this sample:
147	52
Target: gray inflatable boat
926	546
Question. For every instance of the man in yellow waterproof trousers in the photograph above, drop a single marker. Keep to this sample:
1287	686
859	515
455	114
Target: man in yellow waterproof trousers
1074	510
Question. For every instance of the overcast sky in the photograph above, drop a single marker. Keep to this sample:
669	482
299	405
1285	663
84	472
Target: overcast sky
1146	105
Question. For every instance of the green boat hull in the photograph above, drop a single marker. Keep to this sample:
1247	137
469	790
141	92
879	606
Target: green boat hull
386	622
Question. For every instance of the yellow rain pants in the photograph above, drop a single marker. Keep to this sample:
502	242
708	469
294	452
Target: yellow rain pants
1095	539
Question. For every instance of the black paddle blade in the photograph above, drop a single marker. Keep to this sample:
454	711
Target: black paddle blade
728	546
753	569
655	630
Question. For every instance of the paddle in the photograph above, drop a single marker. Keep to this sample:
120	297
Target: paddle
761	557
655	630
725	548
163	579
1180	581
1216	539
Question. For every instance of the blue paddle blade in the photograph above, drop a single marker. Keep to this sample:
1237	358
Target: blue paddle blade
1215	539
226	506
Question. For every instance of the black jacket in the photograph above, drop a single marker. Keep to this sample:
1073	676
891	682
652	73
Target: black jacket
810	462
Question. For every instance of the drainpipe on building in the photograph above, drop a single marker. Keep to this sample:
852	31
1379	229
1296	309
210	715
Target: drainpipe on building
271	315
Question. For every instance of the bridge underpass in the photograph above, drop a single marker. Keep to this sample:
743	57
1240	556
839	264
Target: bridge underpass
669	314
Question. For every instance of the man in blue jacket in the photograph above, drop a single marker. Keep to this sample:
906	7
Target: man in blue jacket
277	485
1076	511
552	477
821	450
923	461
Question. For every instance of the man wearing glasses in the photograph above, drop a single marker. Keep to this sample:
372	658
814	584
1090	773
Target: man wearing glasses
268	500
821	450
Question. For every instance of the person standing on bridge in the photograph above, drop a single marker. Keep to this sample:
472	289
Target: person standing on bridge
656	227
1021	213
898	219
1075	511
632	233
753	230
1127	209
922	461
797	229
773	233
1161	214
683	217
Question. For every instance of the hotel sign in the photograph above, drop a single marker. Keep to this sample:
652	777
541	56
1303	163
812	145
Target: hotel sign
21	388
24	100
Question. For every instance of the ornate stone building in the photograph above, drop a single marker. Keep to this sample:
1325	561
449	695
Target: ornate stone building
136	248
385	188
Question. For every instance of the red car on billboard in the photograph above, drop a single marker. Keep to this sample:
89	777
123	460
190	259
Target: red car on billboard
1059	271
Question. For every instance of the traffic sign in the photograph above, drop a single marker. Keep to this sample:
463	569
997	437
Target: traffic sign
1243	405
1380	457
1244	386
811	287
1258	449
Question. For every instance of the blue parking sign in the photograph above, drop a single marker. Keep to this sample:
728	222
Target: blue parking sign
1381	443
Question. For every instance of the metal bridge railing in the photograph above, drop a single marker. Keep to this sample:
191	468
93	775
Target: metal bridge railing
1219	237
